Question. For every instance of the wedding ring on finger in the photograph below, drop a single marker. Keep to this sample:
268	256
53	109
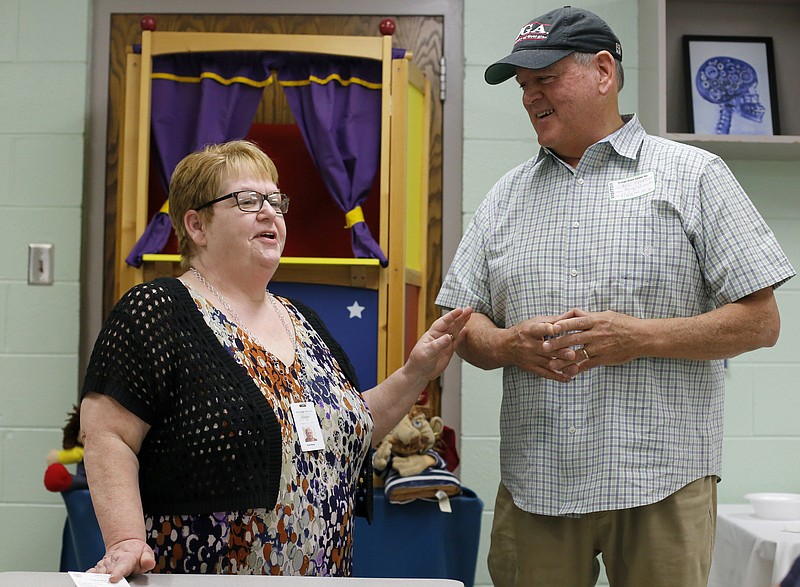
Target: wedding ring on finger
586	356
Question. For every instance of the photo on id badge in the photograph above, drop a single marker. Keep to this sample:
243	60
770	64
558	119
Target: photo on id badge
306	426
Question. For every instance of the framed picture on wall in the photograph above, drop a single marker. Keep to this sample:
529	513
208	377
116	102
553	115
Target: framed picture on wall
730	84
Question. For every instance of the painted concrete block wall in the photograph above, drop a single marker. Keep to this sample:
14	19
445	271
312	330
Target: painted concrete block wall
43	56
762	400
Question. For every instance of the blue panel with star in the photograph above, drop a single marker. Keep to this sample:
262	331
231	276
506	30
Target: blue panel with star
350	313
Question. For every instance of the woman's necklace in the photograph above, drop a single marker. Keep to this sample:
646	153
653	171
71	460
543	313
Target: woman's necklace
286	327
235	315
304	413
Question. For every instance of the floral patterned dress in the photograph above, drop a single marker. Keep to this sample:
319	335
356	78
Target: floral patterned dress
309	532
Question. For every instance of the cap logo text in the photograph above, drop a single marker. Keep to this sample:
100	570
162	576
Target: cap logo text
533	31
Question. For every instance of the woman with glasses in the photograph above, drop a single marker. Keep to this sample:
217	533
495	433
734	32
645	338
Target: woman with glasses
200	390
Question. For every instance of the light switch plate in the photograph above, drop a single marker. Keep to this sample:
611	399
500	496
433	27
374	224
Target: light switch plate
40	264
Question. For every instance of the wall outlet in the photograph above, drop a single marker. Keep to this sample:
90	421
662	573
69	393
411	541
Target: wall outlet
40	264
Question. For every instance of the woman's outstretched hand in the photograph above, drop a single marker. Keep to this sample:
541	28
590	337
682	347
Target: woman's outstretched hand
435	348
391	399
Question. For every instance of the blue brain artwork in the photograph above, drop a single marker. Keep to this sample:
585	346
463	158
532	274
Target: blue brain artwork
731	84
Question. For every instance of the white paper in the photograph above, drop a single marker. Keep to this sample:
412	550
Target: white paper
88	579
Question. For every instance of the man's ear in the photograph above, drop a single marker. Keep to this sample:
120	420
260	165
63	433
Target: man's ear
195	227
607	72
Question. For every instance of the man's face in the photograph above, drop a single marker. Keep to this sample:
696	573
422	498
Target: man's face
560	101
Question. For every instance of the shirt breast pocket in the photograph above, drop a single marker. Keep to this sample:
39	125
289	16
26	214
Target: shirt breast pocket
633	269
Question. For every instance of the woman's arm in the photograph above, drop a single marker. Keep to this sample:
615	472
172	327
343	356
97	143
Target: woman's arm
112	439
391	399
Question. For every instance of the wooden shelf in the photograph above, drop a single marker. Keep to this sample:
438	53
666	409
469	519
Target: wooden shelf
662	90
325	270
335	261
782	148
348	272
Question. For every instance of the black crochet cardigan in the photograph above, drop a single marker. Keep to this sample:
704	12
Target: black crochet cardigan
214	443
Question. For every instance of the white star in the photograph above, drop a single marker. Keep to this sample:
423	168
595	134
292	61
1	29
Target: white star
355	310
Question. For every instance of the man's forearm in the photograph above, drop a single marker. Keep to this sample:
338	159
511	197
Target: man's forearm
484	344
739	327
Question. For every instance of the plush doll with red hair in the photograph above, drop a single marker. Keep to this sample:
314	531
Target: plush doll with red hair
57	477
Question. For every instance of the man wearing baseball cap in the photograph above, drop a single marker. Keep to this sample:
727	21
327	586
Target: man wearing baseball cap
610	276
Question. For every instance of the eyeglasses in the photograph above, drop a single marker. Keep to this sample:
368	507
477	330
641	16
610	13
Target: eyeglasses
250	201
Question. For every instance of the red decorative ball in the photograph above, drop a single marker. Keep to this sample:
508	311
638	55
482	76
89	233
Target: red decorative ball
387	26
148	23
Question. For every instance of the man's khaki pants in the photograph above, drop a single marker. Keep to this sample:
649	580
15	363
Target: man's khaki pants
665	544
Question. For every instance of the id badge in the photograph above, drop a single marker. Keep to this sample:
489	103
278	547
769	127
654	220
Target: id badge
306	426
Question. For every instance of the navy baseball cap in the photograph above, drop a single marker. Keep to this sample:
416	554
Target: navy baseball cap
553	36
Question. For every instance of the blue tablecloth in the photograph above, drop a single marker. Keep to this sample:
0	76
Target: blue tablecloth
82	544
417	540
413	540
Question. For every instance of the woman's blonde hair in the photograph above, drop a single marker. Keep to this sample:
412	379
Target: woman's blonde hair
199	177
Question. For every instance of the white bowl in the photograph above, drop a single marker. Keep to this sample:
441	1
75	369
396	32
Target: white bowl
776	506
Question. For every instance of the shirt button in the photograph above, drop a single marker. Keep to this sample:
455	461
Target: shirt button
572	430
574	272
576	224
580	181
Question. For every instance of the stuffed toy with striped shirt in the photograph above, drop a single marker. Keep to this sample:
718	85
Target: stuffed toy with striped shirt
408	462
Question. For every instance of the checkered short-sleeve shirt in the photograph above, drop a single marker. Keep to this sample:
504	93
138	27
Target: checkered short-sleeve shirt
643	226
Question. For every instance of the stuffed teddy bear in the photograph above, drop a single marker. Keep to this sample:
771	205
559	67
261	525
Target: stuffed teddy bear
407	461
56	476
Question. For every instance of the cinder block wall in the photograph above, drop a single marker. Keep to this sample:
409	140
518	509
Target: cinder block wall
43	65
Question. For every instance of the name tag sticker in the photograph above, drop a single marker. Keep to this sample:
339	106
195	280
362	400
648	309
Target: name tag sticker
632	187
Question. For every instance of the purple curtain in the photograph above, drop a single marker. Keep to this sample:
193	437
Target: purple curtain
197	99
336	102
202	98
